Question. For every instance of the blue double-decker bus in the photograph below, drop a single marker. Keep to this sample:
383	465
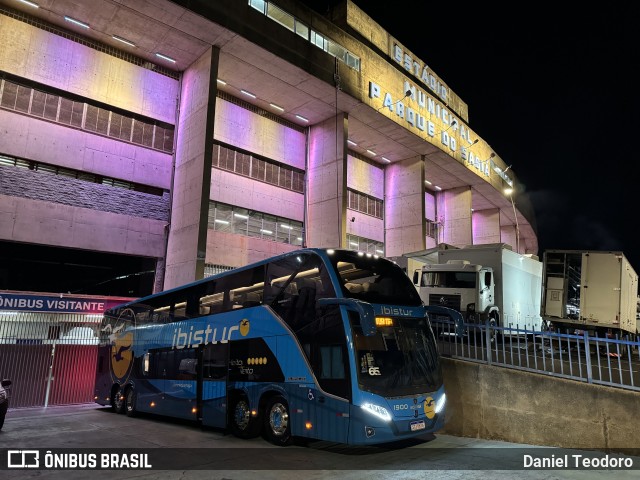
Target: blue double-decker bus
325	344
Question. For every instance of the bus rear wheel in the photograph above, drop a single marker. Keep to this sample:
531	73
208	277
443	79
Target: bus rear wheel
117	399
277	423
243	424
130	402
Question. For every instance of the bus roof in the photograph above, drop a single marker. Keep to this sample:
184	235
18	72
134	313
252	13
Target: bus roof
320	251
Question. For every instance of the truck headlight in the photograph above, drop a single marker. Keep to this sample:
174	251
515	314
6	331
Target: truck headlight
378	411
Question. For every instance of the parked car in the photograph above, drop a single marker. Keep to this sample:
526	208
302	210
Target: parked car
4	400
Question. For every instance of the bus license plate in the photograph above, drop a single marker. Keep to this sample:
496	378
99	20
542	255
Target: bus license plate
417	425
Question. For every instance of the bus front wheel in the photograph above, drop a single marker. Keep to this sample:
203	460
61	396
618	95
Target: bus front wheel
243	423
277	422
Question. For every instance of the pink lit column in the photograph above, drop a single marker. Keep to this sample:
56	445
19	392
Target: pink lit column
454	207
187	244
327	184
508	232
404	210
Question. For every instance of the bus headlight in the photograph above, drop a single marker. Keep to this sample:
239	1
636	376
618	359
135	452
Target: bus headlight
440	404
378	411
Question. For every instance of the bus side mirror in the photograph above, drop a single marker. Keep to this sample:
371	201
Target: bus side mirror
455	316
364	309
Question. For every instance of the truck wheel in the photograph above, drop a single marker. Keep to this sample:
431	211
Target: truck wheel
493	332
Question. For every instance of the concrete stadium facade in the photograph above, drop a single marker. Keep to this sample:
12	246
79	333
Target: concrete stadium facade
202	134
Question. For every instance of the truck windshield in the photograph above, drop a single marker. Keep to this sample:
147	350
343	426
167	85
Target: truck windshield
374	280
400	359
449	279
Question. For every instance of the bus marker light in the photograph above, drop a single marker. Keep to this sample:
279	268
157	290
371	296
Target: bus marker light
152	404
194	410
308	426
254	413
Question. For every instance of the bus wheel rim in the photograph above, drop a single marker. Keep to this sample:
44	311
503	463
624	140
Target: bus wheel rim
278	419
241	414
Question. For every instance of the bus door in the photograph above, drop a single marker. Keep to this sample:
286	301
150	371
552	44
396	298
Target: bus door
213	372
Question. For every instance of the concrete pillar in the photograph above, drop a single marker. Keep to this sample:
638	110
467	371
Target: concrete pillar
508	235
454	208
186	247
486	226
325	224
404	210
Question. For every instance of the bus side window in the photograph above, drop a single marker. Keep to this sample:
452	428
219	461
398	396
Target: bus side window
332	362
327	352
231	291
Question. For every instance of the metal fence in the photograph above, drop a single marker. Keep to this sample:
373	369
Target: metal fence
50	358
607	361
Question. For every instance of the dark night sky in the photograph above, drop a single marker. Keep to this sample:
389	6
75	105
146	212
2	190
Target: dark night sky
553	91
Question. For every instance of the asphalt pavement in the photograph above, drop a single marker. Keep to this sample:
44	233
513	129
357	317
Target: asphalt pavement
90	441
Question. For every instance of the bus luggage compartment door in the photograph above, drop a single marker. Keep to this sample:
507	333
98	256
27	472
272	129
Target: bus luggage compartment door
212	384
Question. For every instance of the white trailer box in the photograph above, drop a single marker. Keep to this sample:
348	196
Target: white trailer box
594	290
518	281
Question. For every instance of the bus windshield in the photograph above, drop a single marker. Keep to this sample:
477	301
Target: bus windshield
401	359
374	280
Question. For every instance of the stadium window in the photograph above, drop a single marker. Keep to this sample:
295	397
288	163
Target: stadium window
280	16
260	5
302	30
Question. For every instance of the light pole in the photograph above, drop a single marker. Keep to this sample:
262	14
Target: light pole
509	192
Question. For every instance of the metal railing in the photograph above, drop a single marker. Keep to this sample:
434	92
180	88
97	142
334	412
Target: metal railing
607	361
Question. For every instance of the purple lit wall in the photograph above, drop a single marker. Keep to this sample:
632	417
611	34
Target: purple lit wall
369	179
244	129
431	215
430	206
486	226
44	57
51	215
